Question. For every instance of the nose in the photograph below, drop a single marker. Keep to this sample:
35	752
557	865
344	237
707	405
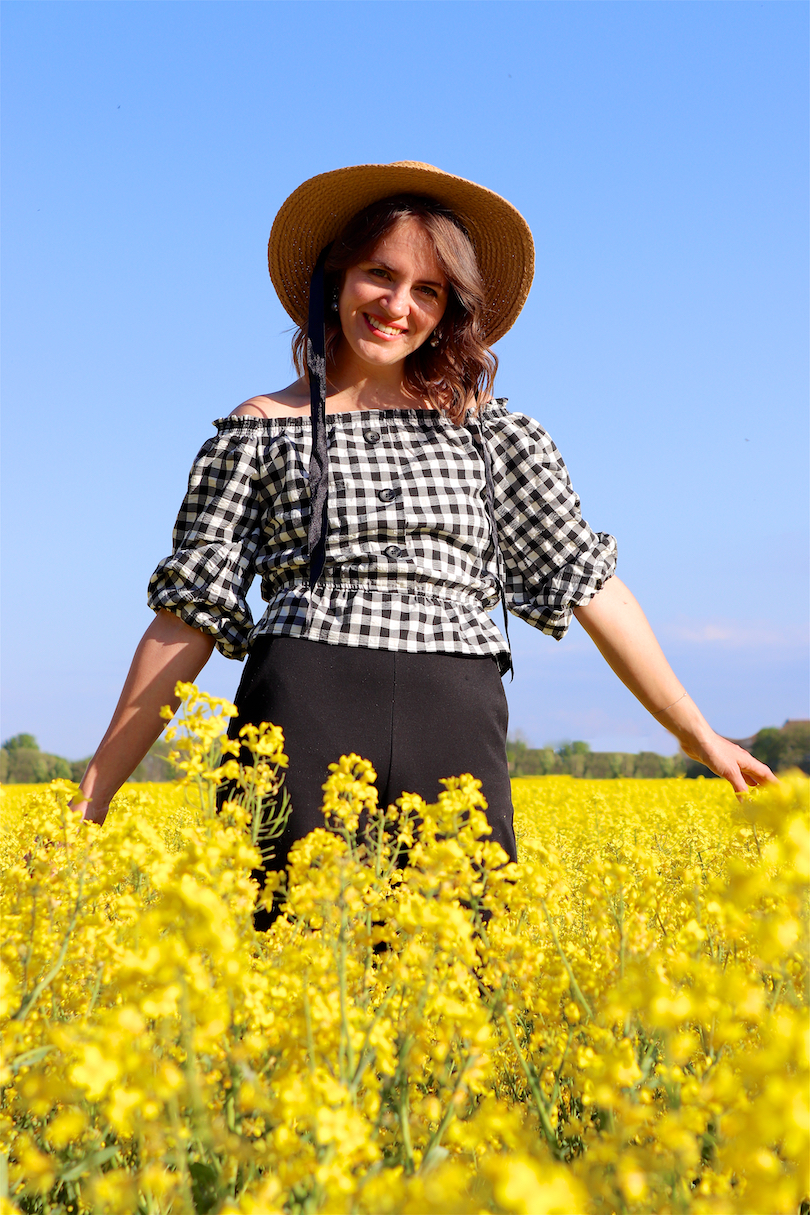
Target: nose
397	300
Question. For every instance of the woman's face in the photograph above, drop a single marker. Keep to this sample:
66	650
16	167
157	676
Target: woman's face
390	304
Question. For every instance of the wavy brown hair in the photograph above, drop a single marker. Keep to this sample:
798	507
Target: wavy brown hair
461	368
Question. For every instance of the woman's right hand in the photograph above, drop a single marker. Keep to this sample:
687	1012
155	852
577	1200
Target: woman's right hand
90	812
169	652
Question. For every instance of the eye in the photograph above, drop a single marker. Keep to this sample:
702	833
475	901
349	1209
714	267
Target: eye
429	291
378	272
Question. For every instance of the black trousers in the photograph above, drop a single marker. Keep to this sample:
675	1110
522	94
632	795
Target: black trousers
416	717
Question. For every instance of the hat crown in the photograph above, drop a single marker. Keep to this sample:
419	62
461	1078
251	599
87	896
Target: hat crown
413	164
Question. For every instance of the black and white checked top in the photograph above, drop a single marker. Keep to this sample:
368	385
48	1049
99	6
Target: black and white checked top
410	563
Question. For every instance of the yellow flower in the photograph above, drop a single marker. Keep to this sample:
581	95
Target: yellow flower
95	1072
616	1022
66	1127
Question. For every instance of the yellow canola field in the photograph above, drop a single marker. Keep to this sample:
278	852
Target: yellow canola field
616	1024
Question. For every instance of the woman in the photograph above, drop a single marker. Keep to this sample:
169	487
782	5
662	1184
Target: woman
387	503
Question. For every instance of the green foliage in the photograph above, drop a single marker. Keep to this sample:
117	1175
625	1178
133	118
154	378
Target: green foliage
785	748
78	768
23	763
567	750
25	742
781	749
577	759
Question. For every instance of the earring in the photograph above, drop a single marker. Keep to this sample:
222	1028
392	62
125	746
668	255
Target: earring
435	340
335	298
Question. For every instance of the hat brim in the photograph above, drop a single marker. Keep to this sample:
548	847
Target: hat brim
319	209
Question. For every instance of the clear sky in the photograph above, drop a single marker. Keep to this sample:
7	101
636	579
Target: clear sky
659	153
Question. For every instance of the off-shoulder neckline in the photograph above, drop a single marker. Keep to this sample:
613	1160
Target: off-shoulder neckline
365	417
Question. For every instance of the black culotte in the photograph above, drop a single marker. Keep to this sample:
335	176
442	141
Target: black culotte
416	717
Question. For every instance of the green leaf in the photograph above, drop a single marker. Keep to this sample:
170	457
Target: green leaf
89	1163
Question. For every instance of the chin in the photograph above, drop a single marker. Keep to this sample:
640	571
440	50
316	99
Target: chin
382	356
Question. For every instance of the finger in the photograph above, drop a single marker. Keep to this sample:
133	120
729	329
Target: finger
754	771
767	779
736	779
757	773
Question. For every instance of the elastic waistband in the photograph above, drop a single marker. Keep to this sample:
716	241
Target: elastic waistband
421	593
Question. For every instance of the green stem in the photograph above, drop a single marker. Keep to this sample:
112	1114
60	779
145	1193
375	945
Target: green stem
346	1048
198	1108
575	988
449	1113
180	1155
622	938
365	1054
308	1019
96	989
29	1001
405	1124
531	1080
30	950
558	1074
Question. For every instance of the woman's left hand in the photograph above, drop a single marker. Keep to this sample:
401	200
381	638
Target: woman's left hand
616	624
728	760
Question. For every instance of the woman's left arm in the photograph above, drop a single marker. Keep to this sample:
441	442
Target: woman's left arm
621	632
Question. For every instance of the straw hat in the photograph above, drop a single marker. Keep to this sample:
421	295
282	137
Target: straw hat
316	212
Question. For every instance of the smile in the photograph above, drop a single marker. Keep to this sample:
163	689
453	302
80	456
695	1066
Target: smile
378	327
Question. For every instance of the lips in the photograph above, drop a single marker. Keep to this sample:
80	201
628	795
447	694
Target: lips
377	326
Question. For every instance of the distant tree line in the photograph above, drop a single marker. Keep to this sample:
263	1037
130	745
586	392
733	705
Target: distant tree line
577	759
780	748
22	763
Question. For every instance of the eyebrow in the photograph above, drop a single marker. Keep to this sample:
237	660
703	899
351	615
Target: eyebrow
377	261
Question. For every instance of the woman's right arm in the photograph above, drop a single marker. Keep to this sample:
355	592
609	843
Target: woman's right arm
170	650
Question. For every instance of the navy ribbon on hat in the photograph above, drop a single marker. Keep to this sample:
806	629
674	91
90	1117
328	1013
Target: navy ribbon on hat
319	458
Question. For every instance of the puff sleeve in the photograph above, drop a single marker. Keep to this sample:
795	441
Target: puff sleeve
553	561
206	579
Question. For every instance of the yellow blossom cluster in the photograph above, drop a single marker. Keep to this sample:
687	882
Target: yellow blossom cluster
617	1024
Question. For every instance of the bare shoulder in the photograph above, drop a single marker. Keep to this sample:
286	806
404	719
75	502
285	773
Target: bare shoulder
288	402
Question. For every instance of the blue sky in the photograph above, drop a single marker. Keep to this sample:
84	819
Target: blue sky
659	153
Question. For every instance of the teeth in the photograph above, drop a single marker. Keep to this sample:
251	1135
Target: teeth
372	320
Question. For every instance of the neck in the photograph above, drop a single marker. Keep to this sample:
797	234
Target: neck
359	386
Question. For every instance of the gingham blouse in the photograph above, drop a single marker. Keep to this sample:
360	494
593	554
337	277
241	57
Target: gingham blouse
410	562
